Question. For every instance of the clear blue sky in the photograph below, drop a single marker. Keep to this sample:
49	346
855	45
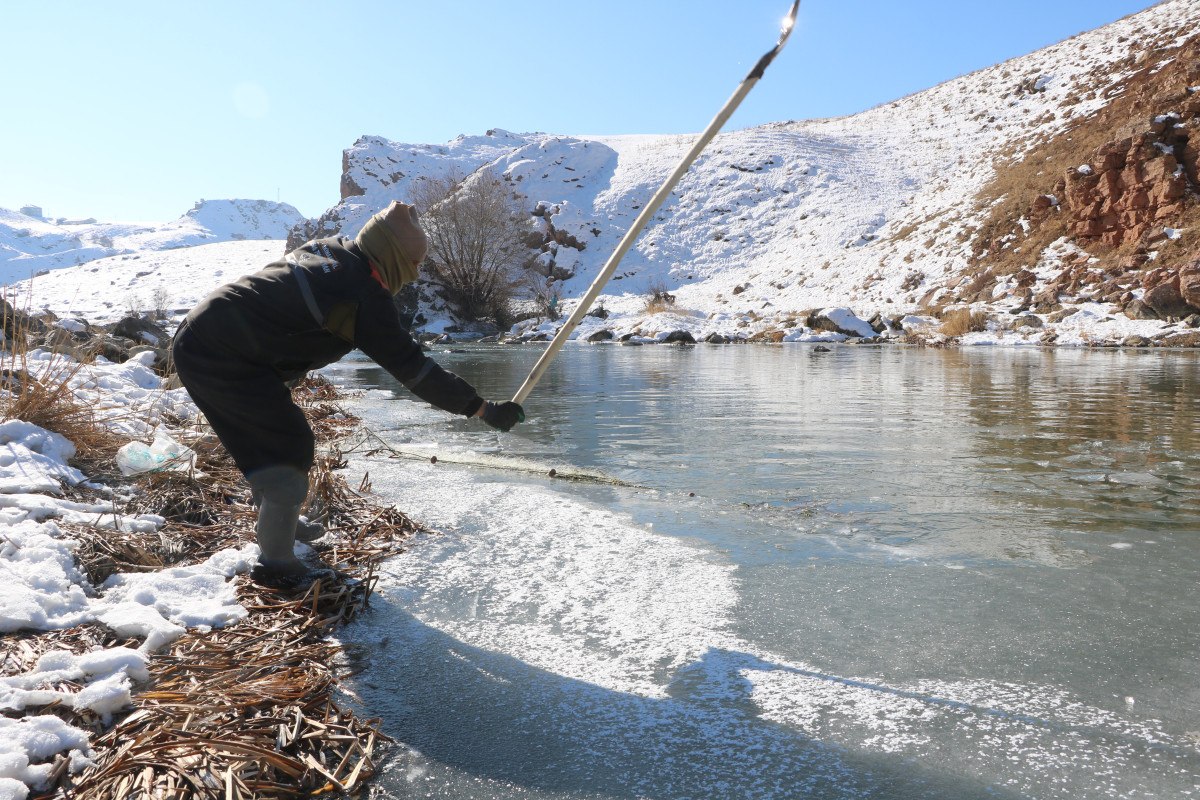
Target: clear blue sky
134	110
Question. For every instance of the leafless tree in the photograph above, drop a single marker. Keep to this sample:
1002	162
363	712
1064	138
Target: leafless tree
477	253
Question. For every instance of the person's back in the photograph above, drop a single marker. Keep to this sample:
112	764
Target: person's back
238	348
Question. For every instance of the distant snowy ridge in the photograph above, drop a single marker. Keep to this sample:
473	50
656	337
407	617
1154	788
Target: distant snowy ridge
32	245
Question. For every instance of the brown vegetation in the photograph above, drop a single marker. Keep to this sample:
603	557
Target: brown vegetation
47	400
247	711
1140	177
959	321
660	300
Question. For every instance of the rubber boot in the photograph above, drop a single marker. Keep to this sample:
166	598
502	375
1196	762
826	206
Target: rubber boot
307	530
276	532
281	491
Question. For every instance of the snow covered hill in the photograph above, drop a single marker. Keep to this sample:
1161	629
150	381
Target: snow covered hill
107	289
30	245
883	212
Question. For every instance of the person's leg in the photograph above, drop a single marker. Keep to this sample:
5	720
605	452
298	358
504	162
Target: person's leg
253	415
307	530
282	490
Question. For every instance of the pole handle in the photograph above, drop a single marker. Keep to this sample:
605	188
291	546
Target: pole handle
648	211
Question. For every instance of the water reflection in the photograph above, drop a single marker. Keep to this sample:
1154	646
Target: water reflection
1104	442
1002	448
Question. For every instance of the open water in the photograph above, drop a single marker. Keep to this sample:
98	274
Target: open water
776	572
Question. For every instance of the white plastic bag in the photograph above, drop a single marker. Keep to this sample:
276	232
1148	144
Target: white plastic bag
163	454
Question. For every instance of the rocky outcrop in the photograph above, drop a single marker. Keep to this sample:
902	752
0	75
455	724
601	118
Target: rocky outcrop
1189	283
84	342
1119	187
328	224
1133	185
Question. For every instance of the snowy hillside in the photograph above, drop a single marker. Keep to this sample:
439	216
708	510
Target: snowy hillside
879	212
31	245
107	289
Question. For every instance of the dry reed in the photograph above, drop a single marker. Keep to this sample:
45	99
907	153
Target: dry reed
47	399
247	711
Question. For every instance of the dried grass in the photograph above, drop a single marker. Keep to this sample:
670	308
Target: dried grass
660	300
959	321
48	400
247	711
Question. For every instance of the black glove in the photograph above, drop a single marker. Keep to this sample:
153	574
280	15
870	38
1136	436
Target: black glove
503	416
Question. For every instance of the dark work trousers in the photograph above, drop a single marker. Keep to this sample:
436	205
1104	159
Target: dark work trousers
248	405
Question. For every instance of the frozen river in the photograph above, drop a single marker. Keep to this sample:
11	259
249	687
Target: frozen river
862	573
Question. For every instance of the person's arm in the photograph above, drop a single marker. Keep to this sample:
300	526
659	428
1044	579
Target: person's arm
380	336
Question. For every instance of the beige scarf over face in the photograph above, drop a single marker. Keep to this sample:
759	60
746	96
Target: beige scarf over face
395	243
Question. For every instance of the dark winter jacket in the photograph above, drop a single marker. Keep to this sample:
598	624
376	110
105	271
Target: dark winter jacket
313	307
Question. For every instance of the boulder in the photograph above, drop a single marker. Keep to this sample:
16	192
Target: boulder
16	321
1046	301
840	320
1180	340
116	349
1189	283
1167	301
1059	316
140	330
61	340
679	337
1024	278
769	337
1136	309
601	336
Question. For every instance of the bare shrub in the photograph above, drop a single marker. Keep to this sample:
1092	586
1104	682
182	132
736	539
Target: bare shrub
660	299
161	300
476	247
543	292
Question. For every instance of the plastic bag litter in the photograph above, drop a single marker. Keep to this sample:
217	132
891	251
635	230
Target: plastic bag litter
164	453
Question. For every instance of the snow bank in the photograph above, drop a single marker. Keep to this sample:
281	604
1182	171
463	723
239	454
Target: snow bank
25	742
41	588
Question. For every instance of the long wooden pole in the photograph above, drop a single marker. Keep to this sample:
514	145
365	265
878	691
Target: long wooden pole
623	247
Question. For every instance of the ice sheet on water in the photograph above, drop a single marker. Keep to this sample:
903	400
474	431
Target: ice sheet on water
640	632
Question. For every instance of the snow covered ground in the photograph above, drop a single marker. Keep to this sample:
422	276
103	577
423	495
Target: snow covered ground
42	587
107	289
31	245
